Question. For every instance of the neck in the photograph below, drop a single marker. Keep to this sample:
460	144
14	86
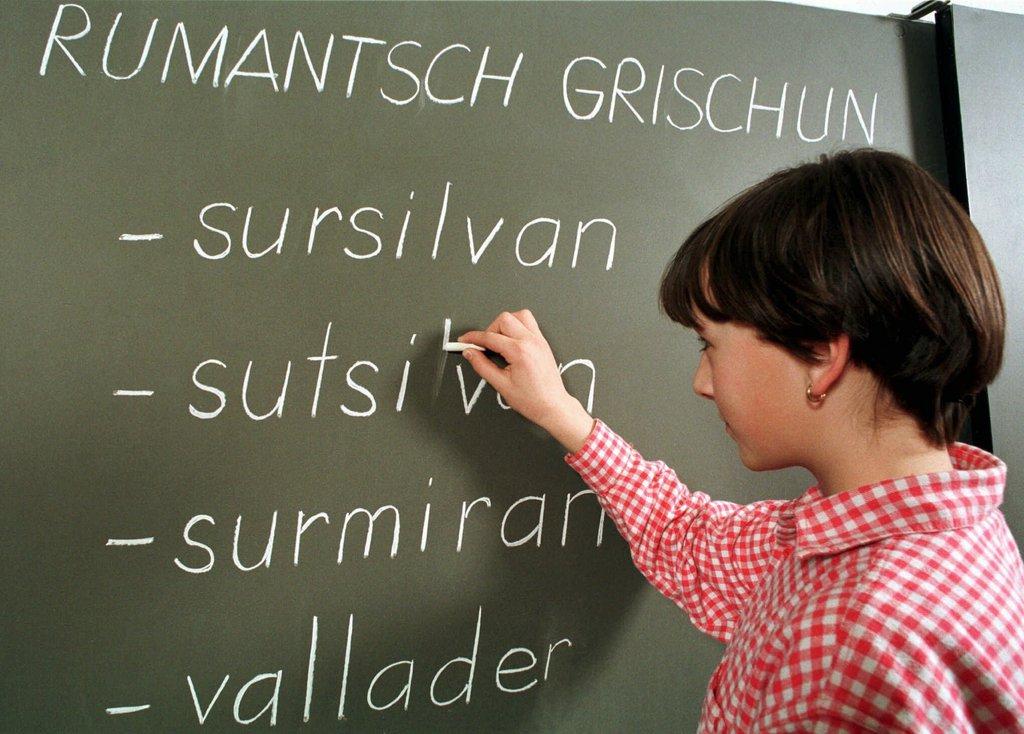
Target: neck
894	453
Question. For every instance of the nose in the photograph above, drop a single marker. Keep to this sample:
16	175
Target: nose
702	379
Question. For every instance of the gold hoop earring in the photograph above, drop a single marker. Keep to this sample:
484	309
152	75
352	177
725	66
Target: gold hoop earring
812	397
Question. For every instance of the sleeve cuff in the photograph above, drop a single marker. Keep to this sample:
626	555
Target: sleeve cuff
603	456
573	458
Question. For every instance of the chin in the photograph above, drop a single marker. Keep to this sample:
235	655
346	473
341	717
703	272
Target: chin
752	465
756	462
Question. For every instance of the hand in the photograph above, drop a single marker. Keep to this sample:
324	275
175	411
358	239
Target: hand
531	383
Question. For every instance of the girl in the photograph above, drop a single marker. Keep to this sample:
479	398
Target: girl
848	313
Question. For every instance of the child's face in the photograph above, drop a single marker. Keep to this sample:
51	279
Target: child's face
758	388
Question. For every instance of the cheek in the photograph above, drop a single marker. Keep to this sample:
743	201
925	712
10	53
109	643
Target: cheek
780	381
770	384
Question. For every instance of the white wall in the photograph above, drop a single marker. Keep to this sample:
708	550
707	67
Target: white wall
884	7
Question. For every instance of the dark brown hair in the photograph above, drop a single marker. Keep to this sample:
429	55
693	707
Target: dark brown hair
862	242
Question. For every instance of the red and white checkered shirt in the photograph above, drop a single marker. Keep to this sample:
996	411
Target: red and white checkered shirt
894	607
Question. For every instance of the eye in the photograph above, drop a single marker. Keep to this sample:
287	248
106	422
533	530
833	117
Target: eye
703	343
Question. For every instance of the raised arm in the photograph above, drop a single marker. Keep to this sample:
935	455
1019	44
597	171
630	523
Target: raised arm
704	555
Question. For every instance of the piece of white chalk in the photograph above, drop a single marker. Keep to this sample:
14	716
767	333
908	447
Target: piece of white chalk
461	347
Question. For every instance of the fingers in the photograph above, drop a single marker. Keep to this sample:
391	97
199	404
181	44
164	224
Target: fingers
527	318
508	324
516	337
503	345
505	333
492	373
509	327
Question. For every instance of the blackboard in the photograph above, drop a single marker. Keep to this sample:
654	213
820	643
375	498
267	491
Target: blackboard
187	236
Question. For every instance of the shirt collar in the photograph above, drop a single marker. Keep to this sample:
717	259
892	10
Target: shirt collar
923	503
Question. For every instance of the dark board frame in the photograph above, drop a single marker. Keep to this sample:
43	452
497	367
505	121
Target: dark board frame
977	429
979	59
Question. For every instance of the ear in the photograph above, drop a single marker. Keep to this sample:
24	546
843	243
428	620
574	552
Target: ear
833	357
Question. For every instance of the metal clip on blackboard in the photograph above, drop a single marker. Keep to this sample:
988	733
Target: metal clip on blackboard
921	9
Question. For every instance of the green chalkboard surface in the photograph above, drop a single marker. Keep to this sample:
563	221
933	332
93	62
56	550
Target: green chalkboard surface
241	482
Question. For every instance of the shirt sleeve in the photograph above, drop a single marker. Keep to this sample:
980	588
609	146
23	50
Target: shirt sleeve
705	556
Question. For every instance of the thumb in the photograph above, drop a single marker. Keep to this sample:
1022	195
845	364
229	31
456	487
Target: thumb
484	367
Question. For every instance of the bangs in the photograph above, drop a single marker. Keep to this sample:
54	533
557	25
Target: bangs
758	261
686	286
724	269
